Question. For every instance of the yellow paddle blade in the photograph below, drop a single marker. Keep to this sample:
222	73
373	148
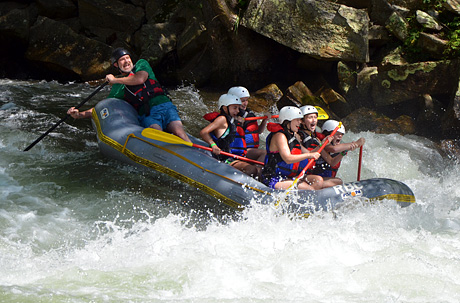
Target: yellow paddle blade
159	135
322	115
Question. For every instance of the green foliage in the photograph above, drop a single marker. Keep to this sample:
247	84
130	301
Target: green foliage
434	4
411	50
450	32
453	35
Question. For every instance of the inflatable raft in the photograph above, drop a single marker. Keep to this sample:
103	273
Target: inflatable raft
121	137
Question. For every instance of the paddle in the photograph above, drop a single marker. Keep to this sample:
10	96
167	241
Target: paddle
63	119
260	118
322	115
311	161
359	162
159	135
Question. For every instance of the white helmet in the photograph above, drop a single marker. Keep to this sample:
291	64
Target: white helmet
228	99
239	91
289	113
330	125
308	109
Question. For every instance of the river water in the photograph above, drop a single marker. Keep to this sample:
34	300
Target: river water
78	227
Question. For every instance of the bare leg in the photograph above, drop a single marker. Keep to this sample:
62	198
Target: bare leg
329	182
311	182
256	154
246	168
316	182
155	126
287	183
177	129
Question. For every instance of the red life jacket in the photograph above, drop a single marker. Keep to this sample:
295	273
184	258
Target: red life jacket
139	95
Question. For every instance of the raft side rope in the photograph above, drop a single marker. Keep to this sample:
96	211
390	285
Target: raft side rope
122	148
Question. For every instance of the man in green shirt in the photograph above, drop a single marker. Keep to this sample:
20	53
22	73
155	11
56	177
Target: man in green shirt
139	87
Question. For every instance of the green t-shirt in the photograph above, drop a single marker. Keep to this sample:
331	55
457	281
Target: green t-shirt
118	90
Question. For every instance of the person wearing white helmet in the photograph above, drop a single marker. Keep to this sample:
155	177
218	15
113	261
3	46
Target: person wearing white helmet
312	140
284	160
222	132
335	153
139	86
252	129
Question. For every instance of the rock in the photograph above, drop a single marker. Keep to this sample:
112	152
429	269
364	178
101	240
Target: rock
396	84
393	58
451	148
346	75
355	3
335	102
16	23
321	29
297	94
365	76
450	125
432	44
378	35
427	21
398	26
225	14
452	5
154	41
428	122
380	11
365	119
56	46
265	98
57	9
192	40
111	14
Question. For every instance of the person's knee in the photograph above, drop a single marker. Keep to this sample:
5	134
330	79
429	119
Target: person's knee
317	182
155	126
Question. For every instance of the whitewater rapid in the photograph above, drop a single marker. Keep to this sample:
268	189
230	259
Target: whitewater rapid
77	227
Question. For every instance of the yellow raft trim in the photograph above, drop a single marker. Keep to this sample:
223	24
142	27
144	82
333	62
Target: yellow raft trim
122	149
397	197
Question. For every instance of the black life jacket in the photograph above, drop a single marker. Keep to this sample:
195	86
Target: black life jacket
274	164
139	95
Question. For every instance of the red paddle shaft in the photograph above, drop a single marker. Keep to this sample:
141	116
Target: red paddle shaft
359	163
260	118
311	161
230	155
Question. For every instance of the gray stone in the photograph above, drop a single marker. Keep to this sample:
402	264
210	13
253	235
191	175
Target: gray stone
320	28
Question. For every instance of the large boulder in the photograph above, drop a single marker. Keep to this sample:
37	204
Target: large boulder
265	98
154	41
451	119
55	46
398	83
365	119
57	9
322	29
113	14
16	21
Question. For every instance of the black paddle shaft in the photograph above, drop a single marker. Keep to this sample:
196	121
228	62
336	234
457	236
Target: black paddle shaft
63	119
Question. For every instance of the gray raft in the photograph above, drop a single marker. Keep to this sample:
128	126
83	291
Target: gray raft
120	137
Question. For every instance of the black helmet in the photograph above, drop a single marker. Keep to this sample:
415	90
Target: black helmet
118	53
